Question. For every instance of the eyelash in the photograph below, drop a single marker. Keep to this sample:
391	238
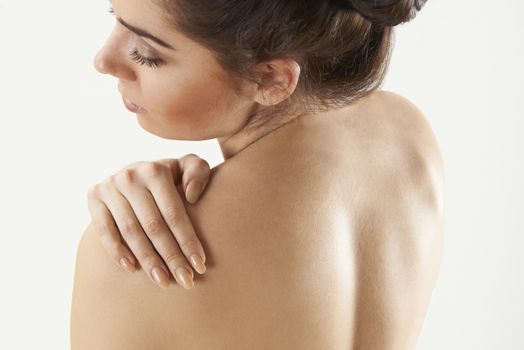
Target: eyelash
136	56
145	61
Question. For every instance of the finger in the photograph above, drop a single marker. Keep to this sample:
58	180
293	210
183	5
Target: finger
174	213
156	229
193	172
132	165
132	232
110	236
195	176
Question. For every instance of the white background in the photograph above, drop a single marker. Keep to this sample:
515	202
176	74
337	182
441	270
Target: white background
63	128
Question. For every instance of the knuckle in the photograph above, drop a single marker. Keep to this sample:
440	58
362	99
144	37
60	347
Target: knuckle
203	163
126	176
168	162
174	259
113	245
153	169
110	244
191	155
190	243
133	165
92	193
127	228
104	185
103	227
196	161
149	260
172	215
154	226
108	181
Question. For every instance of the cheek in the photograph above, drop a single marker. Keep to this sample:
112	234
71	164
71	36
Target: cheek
186	105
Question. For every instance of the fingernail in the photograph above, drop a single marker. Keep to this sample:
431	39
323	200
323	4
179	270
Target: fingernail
160	276
184	277
126	264
193	191
198	263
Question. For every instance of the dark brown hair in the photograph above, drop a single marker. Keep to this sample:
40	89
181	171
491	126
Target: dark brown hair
343	47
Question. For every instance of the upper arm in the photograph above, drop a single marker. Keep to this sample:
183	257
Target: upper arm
399	234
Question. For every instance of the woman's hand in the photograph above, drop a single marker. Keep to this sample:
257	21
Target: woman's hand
139	209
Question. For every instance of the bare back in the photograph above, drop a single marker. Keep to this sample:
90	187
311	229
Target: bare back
282	226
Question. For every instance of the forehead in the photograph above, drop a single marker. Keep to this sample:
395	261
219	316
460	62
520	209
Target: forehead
149	15
143	12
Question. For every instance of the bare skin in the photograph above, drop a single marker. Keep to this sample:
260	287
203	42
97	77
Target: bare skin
325	234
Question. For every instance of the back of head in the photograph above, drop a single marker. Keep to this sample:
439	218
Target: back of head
342	46
384	12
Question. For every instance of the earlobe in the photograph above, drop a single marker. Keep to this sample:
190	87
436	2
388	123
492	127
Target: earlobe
279	80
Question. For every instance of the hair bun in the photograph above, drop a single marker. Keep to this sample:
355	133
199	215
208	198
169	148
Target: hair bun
386	12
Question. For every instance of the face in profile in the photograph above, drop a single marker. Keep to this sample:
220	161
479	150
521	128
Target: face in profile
183	92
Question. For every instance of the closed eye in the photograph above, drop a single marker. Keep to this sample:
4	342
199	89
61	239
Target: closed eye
137	56
145	61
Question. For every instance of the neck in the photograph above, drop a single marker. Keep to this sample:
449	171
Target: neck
256	129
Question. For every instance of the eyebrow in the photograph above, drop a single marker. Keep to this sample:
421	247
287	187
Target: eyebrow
143	33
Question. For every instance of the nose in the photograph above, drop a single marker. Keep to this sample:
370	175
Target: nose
109	60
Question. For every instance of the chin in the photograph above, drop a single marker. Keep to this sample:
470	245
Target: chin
170	134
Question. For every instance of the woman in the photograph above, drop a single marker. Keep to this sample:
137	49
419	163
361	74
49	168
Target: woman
323	227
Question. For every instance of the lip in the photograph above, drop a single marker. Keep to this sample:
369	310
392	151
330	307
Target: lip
132	107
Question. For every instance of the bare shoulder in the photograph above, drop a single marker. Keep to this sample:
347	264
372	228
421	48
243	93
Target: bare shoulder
411	128
398	222
394	141
267	225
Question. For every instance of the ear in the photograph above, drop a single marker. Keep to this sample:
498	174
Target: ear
279	78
